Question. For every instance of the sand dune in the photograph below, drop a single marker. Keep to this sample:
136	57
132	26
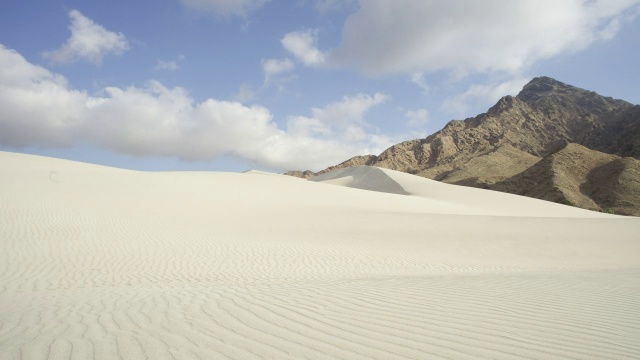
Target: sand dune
444	197
105	263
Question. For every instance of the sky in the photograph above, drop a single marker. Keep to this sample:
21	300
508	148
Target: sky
232	85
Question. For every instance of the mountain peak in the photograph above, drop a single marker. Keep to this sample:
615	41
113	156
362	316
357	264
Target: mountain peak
541	87
545	92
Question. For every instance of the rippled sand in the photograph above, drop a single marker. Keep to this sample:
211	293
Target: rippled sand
104	263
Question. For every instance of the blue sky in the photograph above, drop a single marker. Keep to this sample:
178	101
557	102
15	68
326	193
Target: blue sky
228	85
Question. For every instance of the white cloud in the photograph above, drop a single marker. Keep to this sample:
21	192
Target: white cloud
304	46
89	42
469	36
482	95
417	118
40	108
350	110
342	124
273	67
225	8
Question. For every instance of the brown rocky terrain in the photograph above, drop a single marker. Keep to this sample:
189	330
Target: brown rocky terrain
552	141
581	177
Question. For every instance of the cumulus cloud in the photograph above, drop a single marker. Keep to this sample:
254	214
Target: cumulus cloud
40	108
89	42
225	8
468	36
273	67
348	111
304	46
342	122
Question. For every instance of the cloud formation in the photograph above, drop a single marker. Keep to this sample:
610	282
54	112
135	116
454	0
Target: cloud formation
342	124
273	67
346	116
304	46
468	36
225	8
40	108
88	42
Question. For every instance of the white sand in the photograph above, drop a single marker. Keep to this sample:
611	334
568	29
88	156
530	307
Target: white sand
103	263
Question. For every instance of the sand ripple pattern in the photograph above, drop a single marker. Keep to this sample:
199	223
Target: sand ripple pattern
101	263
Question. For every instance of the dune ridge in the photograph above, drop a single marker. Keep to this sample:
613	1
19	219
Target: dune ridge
104	263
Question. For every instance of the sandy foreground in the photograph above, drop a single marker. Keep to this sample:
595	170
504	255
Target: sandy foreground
104	263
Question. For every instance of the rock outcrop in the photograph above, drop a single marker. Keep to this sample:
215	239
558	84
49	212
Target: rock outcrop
576	175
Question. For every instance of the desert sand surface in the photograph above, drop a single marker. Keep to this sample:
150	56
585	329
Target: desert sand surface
362	263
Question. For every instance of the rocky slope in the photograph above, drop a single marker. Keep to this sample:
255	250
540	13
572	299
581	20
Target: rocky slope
581	177
552	141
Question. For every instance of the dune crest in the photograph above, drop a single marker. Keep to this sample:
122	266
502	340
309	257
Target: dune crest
445	198
362	177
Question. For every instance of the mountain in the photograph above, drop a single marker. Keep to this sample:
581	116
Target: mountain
582	177
552	141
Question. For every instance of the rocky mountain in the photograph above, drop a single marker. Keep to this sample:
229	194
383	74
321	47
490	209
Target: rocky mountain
576	175
552	141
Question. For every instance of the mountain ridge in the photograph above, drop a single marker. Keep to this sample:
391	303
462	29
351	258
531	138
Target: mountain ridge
518	132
